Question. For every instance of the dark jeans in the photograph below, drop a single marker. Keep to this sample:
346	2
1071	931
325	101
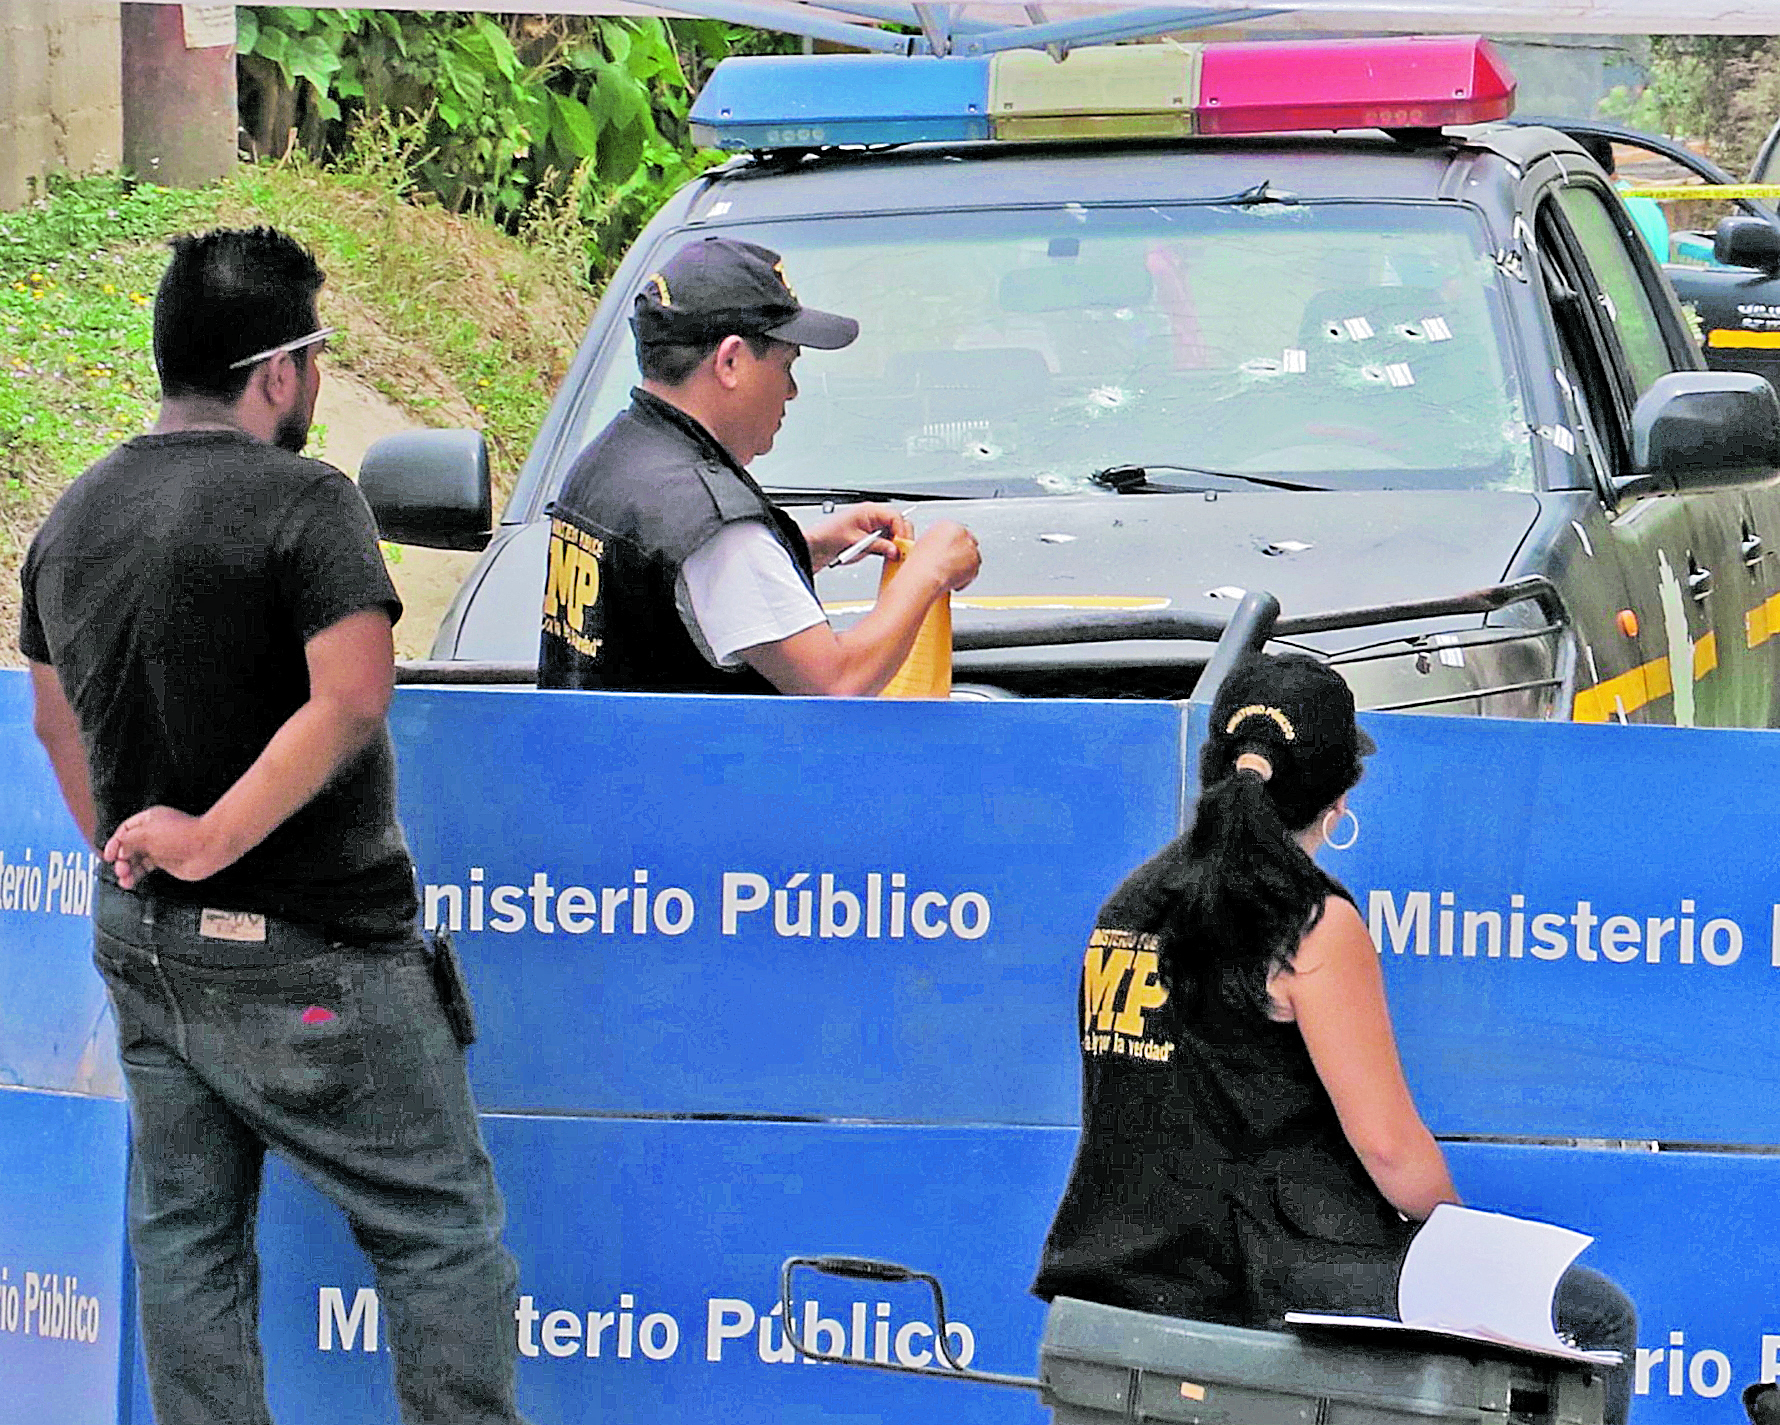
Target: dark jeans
340	1060
1594	1312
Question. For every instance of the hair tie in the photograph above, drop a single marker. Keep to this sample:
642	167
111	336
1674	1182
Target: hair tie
1273	715
1256	763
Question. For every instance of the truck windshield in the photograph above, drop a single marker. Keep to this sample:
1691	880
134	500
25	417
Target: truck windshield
1340	345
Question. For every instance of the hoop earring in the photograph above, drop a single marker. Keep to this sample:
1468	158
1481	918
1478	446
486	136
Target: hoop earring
1329	840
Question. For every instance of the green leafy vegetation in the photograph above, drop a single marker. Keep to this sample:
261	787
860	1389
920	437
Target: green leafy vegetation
468	182
512	116
447	315
1721	93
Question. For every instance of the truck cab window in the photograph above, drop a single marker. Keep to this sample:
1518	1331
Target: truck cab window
1619	286
1594	390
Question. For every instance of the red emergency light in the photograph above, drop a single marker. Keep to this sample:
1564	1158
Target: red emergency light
1420	82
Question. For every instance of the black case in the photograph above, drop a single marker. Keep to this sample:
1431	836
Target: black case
454	995
1102	1364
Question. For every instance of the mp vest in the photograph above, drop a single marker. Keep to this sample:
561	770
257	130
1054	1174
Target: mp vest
1213	1179
652	488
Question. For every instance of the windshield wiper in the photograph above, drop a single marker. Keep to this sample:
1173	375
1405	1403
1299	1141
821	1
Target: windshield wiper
809	495
1135	480
1263	192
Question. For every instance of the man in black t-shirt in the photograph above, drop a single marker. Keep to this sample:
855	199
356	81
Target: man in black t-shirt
208	624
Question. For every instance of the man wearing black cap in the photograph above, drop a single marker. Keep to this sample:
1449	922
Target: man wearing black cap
670	570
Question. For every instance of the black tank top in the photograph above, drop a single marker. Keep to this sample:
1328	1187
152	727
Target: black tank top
1212	1179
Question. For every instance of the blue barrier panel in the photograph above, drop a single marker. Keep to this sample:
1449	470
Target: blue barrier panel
1688	1235
649	1256
63	1321
54	1021
853	909
1606	924
667	1237
1578	925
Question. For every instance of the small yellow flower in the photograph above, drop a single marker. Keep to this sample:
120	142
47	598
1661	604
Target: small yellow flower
109	289
481	409
482	381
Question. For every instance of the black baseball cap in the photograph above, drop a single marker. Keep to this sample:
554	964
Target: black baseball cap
1293	701
717	287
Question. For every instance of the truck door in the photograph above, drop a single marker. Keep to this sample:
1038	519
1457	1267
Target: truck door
1688	590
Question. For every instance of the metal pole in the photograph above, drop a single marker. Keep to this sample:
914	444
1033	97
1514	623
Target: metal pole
1250	628
1127	25
178	97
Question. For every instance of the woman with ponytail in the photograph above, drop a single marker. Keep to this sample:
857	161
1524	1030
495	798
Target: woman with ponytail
1249	1144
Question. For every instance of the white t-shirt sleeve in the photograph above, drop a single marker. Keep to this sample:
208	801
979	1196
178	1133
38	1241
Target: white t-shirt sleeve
739	589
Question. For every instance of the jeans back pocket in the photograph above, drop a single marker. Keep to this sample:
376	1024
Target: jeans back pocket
297	1038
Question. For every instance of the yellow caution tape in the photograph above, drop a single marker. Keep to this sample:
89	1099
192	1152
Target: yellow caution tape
1705	190
1729	338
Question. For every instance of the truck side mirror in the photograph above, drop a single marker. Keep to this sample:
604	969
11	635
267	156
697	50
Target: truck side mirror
430	487
1703	430
1747	242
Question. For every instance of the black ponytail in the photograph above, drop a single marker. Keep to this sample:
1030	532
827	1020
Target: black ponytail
1237	892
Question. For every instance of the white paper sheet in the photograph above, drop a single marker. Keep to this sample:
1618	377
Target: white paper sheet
1481	1276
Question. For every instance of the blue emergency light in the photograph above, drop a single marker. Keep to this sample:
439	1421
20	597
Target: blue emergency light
821	101
1123	91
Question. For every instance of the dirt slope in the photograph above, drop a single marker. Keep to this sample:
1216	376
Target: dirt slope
350	417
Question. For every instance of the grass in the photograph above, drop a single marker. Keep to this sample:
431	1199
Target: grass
446	315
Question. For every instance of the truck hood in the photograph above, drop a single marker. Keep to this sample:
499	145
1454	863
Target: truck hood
1315	552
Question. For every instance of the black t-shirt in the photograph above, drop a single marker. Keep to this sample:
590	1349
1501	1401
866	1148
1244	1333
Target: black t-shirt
173	587
1212	1179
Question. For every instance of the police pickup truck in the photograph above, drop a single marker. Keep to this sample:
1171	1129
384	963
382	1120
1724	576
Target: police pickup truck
1166	324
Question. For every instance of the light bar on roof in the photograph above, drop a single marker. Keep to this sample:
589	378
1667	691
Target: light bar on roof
1419	82
818	101
1123	91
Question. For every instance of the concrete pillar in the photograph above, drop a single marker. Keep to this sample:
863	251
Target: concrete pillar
59	82
178	102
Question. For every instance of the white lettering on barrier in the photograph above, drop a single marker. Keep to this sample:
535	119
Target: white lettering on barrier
49	1305
61	884
1432	926
1706	1373
867	1331
331	1317
804	905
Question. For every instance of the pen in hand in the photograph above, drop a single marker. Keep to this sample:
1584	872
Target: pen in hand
859	546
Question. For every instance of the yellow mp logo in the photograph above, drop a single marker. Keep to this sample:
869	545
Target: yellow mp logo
659	283
572	583
1105	972
779	267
